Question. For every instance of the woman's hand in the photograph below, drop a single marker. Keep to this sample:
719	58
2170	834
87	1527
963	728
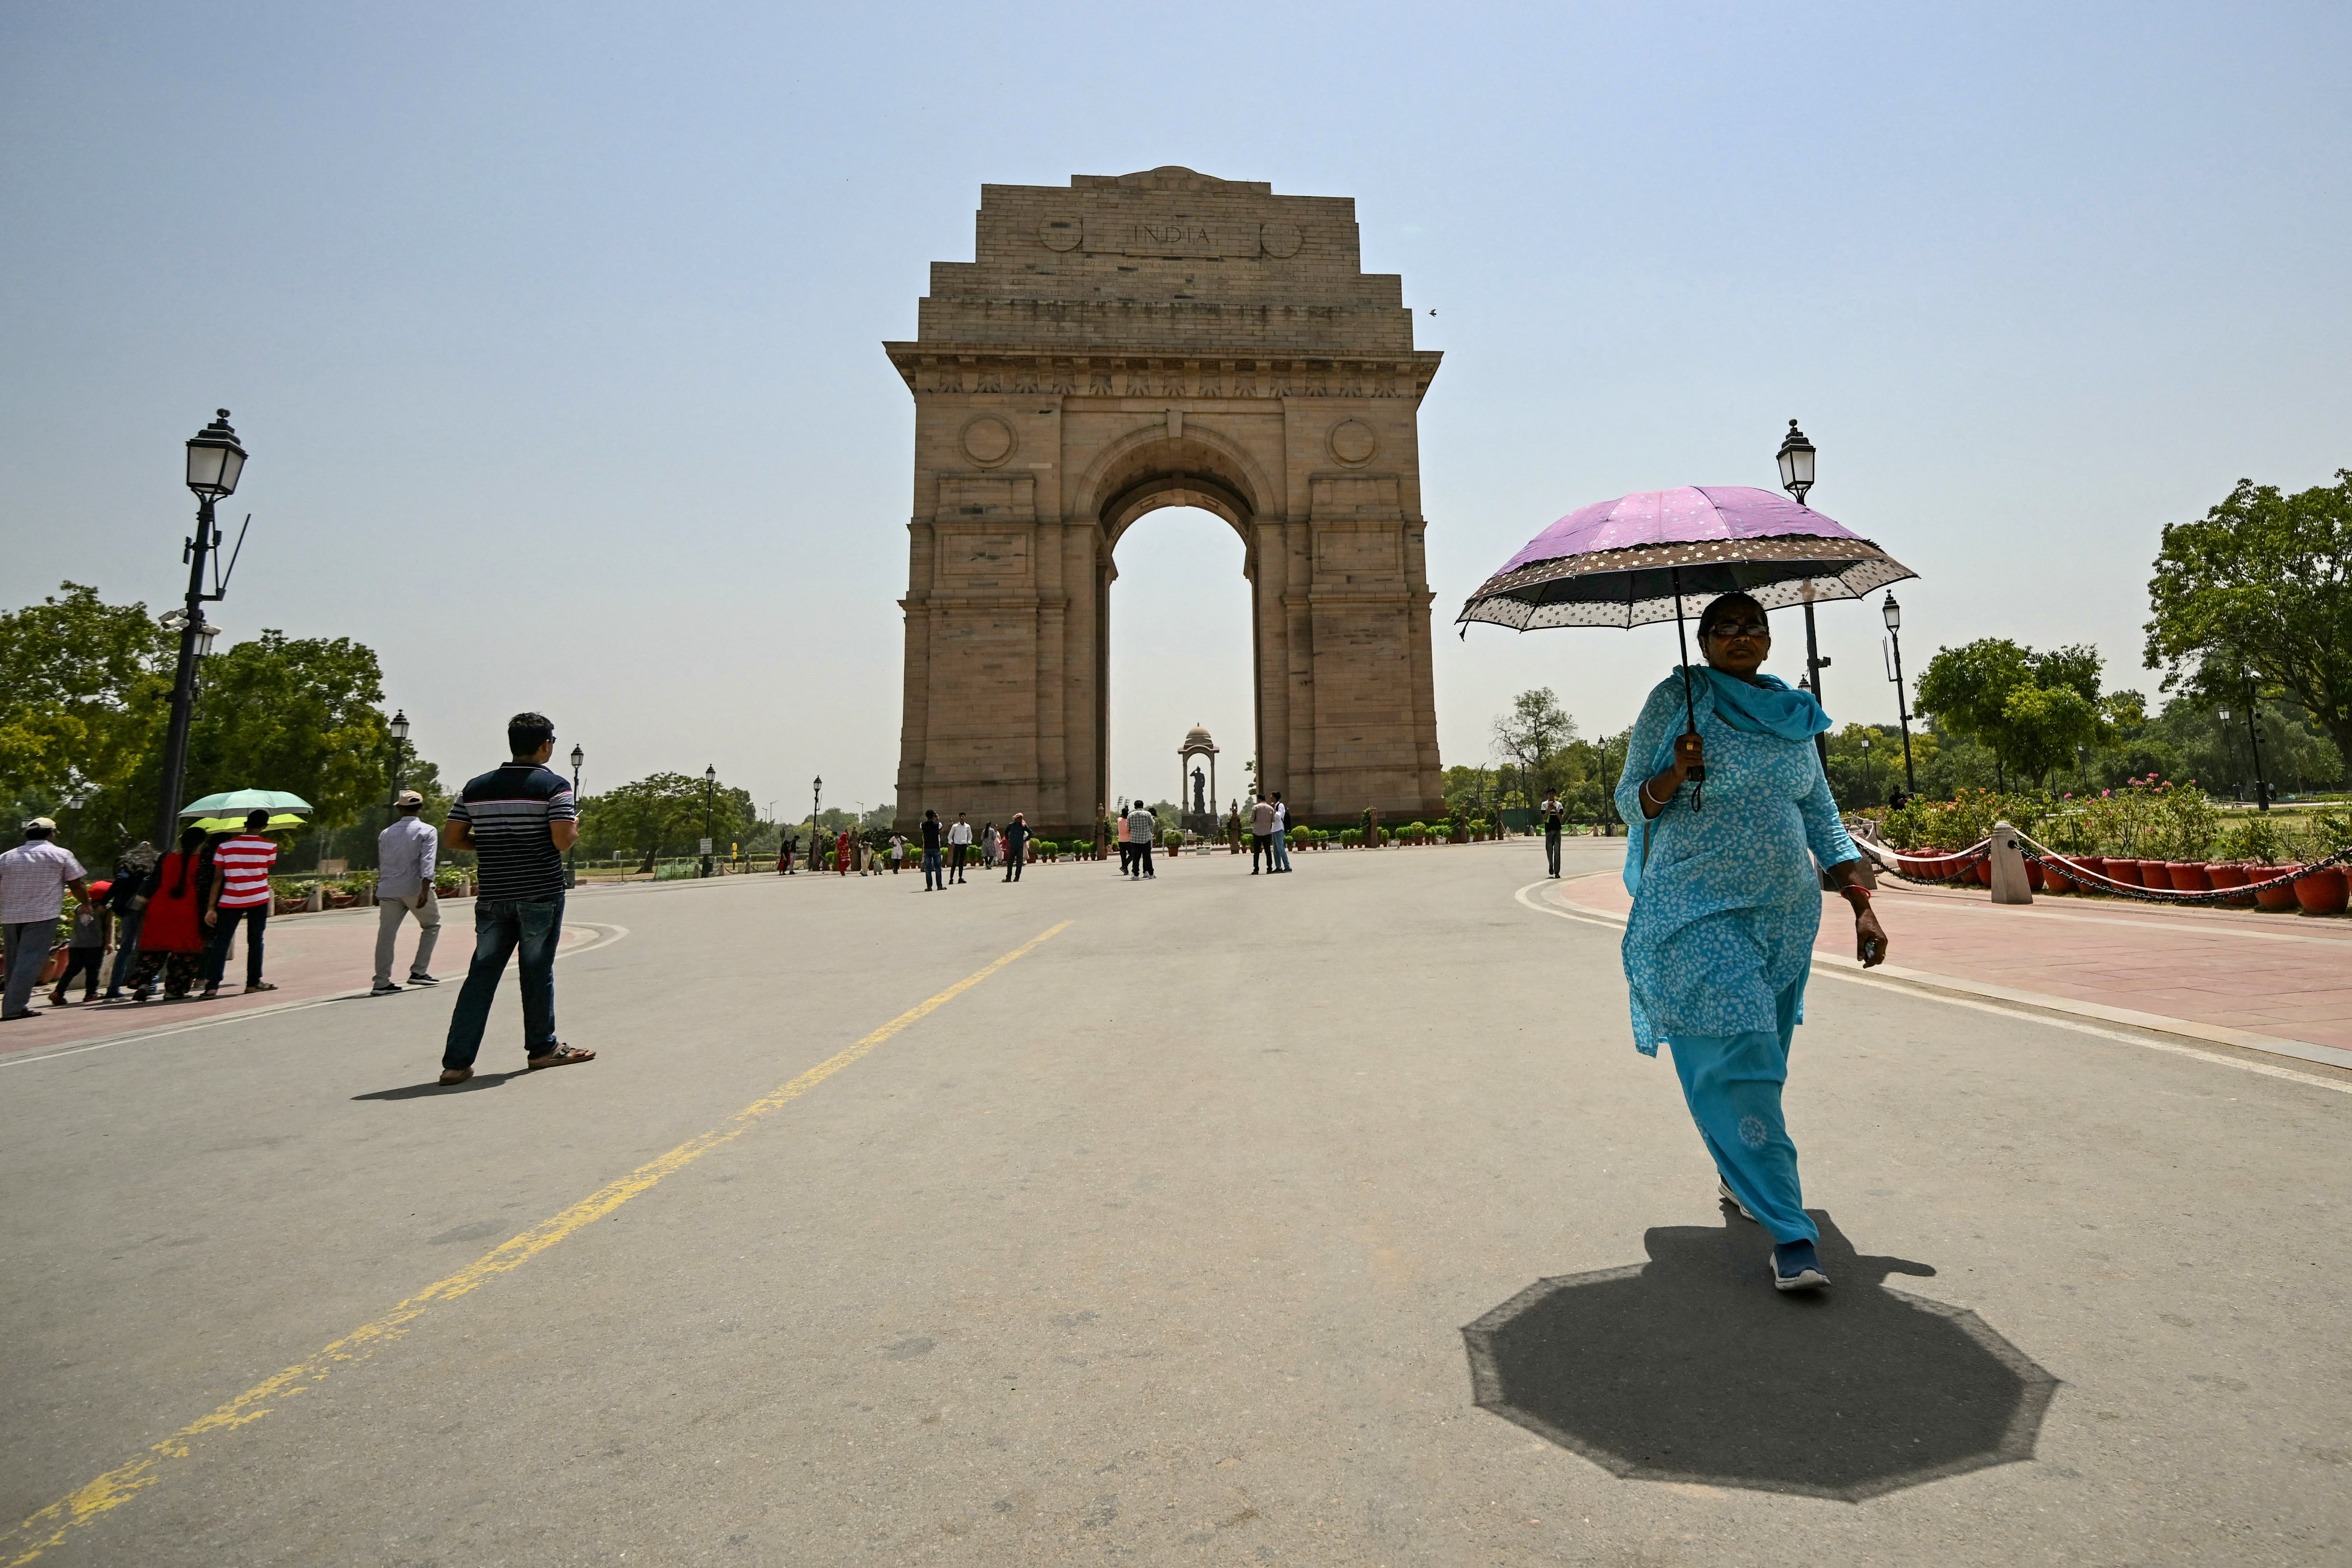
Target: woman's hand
1690	753
1869	938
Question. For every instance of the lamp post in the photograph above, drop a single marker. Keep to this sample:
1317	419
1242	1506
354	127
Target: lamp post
1892	613
1796	461
398	729
215	462
1869	773
709	783
570	874
2254	739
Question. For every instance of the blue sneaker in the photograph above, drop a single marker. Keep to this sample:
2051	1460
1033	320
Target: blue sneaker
1796	1267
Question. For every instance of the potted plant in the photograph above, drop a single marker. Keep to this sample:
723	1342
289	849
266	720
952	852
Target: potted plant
2322	890
2248	852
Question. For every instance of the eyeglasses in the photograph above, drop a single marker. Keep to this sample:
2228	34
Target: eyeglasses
1740	629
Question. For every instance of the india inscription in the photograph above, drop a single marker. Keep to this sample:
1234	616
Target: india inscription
1155	340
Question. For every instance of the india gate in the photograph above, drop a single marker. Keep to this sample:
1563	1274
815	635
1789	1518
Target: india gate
1156	340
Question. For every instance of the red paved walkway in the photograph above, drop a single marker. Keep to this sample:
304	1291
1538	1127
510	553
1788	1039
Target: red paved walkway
2285	976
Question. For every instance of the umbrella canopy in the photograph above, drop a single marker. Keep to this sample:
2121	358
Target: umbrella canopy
279	823
245	800
1656	555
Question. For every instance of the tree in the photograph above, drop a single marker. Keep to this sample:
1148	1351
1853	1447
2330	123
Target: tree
663	813
85	693
293	714
2030	709
1533	737
2262	586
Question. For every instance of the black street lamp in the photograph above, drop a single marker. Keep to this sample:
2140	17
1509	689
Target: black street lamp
1892	613
1869	773
2255	739
1796	461
816	797
709	783
214	462
399	731
571	875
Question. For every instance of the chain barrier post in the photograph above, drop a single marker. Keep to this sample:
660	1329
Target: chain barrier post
2011	885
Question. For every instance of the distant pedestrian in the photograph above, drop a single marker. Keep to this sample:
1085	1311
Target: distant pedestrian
406	854
1016	847
843	843
34	878
1141	825
240	895
988	845
518	819
87	945
1234	826
127	899
1261	835
1125	855
171	932
1554	816
932	876
785	857
1281	833
959	845
897	852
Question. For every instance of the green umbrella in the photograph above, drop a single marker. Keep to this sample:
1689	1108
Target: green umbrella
245	800
279	823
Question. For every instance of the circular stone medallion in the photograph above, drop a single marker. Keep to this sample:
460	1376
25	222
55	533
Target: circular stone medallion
987	440
1059	232
1353	443
1281	240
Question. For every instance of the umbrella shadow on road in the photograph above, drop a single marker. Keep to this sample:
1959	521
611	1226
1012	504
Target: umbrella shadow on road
424	1090
1692	1368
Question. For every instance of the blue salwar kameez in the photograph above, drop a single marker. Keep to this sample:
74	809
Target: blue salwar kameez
1726	907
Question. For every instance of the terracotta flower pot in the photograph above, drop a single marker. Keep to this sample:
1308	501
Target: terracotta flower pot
2281	898
2189	877
1983	872
2322	892
2228	874
2036	877
2054	877
2126	871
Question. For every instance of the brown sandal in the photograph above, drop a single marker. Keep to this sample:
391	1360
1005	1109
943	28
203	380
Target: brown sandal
561	1057
455	1074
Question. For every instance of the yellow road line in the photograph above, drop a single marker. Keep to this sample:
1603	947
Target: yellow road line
119	1485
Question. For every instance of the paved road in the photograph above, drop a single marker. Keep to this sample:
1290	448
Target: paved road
1156	1245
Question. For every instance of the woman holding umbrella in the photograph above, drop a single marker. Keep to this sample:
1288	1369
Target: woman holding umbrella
1726	905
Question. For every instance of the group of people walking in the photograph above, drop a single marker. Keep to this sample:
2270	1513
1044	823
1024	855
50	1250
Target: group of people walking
170	918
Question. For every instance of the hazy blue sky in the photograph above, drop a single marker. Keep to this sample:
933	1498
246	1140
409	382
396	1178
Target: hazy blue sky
554	330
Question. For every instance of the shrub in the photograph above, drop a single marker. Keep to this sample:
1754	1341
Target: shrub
2328	831
1349	836
2257	839
2184	821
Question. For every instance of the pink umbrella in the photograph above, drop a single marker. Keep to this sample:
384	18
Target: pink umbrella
1659	554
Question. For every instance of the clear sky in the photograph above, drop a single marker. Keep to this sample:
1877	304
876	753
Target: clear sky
554	330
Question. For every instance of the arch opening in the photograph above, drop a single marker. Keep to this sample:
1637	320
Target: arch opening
1180	652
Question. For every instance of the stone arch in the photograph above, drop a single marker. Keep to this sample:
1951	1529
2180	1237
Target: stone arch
1157	339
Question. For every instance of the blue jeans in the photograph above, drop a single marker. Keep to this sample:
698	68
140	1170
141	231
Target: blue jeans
932	876
1282	851
254	918
500	926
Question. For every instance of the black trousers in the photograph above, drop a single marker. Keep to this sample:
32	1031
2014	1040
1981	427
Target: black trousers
82	961
1551	849
1014	855
1261	846
253	917
956	866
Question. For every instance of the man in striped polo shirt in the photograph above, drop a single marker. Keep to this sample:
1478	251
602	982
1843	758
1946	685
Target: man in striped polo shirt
518	819
240	895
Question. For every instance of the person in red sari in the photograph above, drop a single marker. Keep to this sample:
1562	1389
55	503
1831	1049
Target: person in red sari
841	854
171	937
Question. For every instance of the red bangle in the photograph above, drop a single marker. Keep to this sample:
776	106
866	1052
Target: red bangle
1851	892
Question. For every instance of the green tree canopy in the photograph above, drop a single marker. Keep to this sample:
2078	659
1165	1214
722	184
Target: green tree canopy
85	693
661	813
2261	586
293	714
2030	709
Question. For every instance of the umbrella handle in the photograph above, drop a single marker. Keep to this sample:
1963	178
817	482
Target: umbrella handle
1698	775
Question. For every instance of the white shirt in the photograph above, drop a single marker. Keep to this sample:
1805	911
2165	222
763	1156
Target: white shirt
33	878
960	834
405	855
1281	816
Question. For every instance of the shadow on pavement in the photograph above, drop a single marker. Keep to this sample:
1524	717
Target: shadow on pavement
1692	1368
420	1090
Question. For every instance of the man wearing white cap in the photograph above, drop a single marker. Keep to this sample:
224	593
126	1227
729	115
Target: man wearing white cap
405	855
34	877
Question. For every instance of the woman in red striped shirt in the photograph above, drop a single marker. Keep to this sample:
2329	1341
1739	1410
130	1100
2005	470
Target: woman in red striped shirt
240	895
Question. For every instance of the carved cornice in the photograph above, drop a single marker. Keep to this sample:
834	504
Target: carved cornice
961	368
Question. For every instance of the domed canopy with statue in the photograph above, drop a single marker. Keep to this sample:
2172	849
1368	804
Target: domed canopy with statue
1196	790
